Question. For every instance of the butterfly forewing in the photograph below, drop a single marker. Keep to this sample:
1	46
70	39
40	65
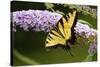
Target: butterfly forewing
68	25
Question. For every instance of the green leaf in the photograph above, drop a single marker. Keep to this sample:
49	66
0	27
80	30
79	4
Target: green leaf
92	57
88	58
24	58
49	5
62	13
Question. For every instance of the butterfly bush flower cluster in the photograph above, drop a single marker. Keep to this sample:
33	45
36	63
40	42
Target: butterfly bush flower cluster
90	34
92	48
37	20
84	28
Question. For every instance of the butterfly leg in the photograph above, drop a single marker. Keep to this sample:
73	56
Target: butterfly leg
67	48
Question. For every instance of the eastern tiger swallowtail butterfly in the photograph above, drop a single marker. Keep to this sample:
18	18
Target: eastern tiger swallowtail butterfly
62	34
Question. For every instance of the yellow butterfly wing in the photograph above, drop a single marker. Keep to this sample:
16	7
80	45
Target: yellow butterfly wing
62	31
54	38
68	24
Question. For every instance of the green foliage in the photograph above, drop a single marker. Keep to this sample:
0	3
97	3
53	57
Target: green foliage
49	5
94	58
91	39
91	57
62	13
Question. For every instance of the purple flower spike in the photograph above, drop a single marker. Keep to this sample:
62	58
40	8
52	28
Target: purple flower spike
81	28
38	20
92	48
84	28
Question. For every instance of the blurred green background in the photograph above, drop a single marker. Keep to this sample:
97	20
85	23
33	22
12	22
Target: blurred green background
28	47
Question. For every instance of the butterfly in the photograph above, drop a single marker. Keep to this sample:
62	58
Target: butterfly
63	34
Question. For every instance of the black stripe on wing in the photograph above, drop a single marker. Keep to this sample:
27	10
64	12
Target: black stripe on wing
73	34
62	24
